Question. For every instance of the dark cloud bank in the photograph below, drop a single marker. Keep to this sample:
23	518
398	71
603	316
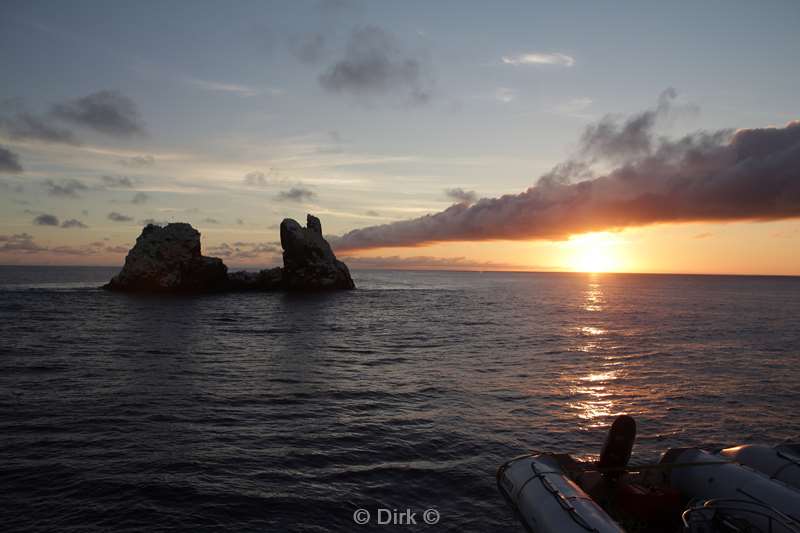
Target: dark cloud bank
747	174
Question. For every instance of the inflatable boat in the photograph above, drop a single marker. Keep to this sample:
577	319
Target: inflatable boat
742	489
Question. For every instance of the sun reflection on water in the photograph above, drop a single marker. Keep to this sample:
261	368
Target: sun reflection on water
594	401
594	393
589	331
594	298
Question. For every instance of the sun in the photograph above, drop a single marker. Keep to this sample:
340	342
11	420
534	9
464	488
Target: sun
593	252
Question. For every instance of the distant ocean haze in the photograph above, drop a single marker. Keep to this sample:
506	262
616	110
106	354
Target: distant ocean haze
286	412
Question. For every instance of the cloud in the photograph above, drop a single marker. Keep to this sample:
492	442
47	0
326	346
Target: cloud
23	243
140	198
461	196
9	162
260	179
538	58
73	223
23	125
748	174
68	188
118	217
374	63
256	179
614	141
574	108
138	161
16	188
230	88
46	220
19	243
153	221
505	95
372	213
120	182
209	220
108	112
240	222
426	262
245	250
308	48
296	194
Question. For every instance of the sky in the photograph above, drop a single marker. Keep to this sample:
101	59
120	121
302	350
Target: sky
619	136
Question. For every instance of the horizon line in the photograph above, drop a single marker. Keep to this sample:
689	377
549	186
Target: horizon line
475	270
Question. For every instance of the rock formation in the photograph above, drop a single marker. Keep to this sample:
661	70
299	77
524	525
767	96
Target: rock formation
308	261
168	259
263	280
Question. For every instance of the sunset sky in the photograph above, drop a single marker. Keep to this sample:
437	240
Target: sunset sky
664	131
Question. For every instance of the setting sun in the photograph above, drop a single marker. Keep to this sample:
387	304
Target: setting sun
594	252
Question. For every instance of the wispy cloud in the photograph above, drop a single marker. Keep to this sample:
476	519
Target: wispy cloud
26	126
73	223
140	198
119	217
296	194
68	188
119	182
19	243
242	251
23	243
574	108
505	95
540	58
138	161
461	196
426	262
221	87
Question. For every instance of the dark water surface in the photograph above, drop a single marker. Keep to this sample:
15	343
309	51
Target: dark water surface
276	412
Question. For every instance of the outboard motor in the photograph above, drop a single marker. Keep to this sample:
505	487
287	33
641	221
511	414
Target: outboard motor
617	449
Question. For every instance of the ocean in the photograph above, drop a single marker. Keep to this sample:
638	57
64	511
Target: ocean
289	412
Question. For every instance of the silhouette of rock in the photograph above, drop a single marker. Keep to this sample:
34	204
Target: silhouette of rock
168	259
308	261
263	280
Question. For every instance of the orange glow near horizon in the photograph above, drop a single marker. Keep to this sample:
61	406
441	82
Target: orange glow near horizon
763	248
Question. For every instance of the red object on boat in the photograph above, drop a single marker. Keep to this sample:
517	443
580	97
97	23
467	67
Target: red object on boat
648	503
